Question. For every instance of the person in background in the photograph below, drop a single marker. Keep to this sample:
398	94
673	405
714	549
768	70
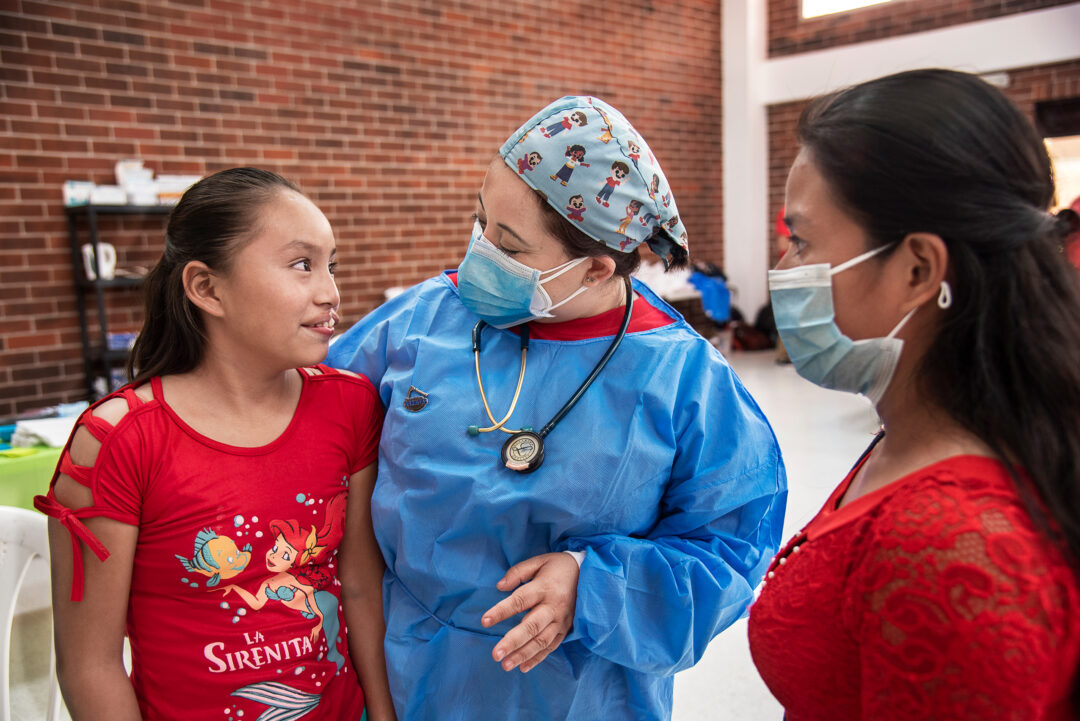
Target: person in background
575	492
213	489
939	580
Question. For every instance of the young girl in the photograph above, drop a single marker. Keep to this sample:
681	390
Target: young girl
230	445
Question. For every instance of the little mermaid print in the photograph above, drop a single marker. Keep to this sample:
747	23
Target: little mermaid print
300	579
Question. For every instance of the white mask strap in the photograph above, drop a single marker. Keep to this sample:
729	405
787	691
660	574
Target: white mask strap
570	297
858	259
560	269
944	301
903	322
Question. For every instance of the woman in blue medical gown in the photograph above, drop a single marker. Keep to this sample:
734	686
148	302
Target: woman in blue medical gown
572	582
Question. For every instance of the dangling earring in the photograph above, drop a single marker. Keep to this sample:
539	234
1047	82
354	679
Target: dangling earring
944	298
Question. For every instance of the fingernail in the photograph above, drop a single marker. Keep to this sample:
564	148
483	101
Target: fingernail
485	621
499	653
507	666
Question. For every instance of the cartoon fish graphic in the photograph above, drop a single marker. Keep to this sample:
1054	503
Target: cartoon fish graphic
216	557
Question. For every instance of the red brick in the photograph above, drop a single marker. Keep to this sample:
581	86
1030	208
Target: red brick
58	145
81	98
76	129
135	133
18	143
111	83
79	65
23	92
101	51
17	341
46	78
50	45
111	115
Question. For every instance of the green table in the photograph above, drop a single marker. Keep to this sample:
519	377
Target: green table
25	477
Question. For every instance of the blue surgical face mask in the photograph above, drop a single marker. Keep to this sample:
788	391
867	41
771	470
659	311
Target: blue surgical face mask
502	291
803	308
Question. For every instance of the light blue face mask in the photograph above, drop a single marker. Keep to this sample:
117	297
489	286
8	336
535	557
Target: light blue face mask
803	308
502	291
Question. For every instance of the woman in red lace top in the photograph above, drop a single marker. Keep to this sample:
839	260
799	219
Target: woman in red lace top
925	273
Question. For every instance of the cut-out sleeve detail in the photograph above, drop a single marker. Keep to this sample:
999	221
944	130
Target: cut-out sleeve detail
77	530
80	474
72	519
99	428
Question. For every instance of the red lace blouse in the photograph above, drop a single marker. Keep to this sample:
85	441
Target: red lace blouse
931	598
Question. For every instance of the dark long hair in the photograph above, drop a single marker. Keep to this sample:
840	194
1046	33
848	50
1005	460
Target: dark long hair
943	152
209	224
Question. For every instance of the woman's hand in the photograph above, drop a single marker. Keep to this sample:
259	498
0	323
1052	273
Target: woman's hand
551	593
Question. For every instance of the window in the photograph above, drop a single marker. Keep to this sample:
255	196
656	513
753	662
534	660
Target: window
1065	156
817	8
1058	121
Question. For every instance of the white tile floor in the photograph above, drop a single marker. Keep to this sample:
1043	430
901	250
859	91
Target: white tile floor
821	434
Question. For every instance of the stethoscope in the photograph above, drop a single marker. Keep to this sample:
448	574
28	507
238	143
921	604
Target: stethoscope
523	451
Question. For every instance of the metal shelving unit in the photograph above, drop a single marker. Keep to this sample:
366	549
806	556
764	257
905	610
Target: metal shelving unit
99	356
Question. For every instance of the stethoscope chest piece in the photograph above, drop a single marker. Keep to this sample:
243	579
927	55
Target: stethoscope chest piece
523	452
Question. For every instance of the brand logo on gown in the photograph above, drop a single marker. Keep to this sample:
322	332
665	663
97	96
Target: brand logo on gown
417	402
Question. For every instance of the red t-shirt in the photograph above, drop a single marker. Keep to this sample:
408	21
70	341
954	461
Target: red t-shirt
931	598
235	606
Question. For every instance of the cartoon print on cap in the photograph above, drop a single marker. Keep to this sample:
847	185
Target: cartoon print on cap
602	156
631	210
654	186
529	162
619	171
575	208
605	134
576	118
575	155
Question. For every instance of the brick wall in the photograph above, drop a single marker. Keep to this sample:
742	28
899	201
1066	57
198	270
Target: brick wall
1027	87
385	112
789	34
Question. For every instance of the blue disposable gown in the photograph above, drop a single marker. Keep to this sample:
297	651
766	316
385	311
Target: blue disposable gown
666	474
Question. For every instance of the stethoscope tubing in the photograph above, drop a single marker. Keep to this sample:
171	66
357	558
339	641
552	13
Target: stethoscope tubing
568	406
599	366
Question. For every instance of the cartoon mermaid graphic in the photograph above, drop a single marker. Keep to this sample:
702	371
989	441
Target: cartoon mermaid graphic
298	582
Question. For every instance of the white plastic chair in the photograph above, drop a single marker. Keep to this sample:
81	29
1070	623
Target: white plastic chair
23	538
